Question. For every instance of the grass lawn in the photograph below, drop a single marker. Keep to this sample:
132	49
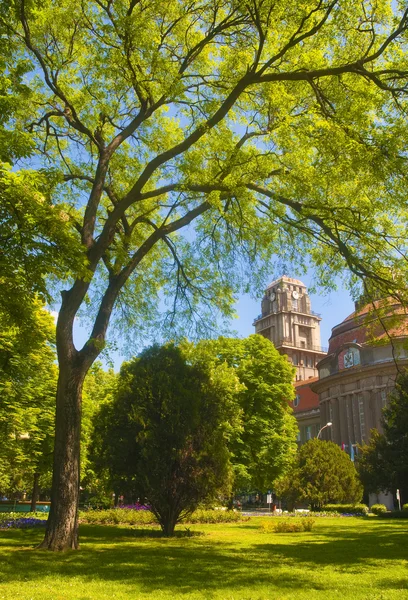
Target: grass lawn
347	558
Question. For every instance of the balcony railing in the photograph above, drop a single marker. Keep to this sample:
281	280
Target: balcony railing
290	344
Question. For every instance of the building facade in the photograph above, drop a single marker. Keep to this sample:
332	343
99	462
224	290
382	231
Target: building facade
359	372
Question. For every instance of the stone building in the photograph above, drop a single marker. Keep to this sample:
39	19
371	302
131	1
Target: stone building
349	385
359	371
288	321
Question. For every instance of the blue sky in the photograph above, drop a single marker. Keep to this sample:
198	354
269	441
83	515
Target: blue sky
333	308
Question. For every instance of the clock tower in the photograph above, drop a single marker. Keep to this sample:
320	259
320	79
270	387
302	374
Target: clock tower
288	321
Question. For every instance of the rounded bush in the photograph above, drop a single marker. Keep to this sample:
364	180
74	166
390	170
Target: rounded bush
378	509
405	507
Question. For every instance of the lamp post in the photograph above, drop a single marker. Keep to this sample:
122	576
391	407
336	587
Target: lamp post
329	424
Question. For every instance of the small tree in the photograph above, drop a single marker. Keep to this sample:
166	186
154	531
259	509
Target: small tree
383	462
172	441
322	474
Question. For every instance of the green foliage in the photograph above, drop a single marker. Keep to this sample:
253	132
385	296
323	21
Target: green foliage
37	239
322	474
168	427
281	526
28	380
405	507
99	387
383	462
264	445
378	509
349	509
289	148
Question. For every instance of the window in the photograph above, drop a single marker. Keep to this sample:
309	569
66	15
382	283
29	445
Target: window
295	359
309	432
296	401
361	415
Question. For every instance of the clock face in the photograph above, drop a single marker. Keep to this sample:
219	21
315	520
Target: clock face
295	295
348	360
273	296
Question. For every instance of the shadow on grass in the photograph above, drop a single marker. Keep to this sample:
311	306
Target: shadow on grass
144	558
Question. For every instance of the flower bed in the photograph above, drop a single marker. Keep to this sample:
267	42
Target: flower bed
15	521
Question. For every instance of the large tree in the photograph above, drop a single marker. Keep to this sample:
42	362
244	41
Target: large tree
275	128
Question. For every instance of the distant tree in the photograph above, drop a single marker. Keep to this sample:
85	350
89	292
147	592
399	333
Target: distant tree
168	428
321	474
265	444
28	380
99	387
383	462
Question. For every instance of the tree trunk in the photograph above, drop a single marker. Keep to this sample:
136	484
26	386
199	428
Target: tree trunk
34	494
62	527
168	526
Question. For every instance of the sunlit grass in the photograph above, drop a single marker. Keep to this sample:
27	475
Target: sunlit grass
346	558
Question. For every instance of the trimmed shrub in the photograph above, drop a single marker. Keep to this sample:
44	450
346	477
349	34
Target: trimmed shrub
349	509
280	526
124	516
215	516
117	516
378	509
405	507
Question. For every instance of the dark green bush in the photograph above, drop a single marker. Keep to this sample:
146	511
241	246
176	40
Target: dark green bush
349	509
394	514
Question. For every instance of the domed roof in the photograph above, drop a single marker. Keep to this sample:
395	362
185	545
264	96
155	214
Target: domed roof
373	321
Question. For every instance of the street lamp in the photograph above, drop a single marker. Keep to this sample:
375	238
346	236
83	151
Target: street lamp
324	427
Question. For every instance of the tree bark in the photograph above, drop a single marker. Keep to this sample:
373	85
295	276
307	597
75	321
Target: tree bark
34	494
62	527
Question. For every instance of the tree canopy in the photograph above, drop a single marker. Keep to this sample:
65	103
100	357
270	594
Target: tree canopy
268	128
